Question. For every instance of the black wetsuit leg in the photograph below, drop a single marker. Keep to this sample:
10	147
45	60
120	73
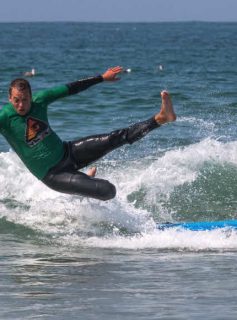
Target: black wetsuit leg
76	182
89	149
66	178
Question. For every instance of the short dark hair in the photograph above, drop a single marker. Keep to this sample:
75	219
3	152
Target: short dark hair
21	85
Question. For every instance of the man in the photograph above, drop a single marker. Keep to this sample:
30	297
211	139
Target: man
24	123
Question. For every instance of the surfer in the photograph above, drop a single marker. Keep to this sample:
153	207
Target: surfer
24	123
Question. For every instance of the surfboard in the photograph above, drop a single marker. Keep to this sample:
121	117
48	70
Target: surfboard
199	226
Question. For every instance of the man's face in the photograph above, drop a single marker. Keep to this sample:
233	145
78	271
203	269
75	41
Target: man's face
21	101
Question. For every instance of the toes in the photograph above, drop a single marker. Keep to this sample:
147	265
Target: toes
164	94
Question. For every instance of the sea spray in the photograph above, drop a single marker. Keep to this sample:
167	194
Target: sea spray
146	195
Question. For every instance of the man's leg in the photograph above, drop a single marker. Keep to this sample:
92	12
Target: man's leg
78	183
90	149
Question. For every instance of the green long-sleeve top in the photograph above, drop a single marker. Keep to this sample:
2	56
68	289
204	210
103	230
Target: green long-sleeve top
31	136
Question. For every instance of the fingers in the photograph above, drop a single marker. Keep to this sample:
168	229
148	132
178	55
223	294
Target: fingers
117	69
111	73
92	172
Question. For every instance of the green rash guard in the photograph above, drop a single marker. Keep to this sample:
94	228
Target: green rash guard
31	137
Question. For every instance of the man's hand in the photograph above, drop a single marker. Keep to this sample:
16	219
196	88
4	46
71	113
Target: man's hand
111	73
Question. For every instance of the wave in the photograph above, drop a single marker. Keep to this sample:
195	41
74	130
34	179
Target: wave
196	182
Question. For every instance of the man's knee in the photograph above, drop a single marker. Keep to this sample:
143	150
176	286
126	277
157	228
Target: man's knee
107	191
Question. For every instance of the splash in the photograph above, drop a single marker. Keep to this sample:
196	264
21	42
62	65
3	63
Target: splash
148	192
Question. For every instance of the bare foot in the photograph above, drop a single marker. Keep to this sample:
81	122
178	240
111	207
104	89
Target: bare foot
166	113
91	172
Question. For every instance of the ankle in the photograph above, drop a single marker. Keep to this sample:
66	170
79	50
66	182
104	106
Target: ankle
160	119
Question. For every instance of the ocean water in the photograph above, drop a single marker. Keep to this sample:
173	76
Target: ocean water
67	257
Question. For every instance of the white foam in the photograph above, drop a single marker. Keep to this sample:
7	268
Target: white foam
169	239
72	220
176	167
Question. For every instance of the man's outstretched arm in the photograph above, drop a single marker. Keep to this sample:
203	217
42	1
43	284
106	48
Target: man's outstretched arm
80	85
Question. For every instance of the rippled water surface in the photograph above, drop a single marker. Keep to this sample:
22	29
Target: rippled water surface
66	257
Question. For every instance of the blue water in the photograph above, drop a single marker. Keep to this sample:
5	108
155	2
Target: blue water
67	257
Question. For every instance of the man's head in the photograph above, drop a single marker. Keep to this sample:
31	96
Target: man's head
20	96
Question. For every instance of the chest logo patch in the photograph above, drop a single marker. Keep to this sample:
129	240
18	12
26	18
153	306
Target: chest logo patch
36	131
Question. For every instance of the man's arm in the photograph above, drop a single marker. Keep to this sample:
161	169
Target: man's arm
63	91
80	85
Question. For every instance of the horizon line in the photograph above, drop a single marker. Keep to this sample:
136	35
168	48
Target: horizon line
119	22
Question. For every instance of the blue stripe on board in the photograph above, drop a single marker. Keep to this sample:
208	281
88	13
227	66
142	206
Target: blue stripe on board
199	226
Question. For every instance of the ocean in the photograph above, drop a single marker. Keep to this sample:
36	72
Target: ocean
69	257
